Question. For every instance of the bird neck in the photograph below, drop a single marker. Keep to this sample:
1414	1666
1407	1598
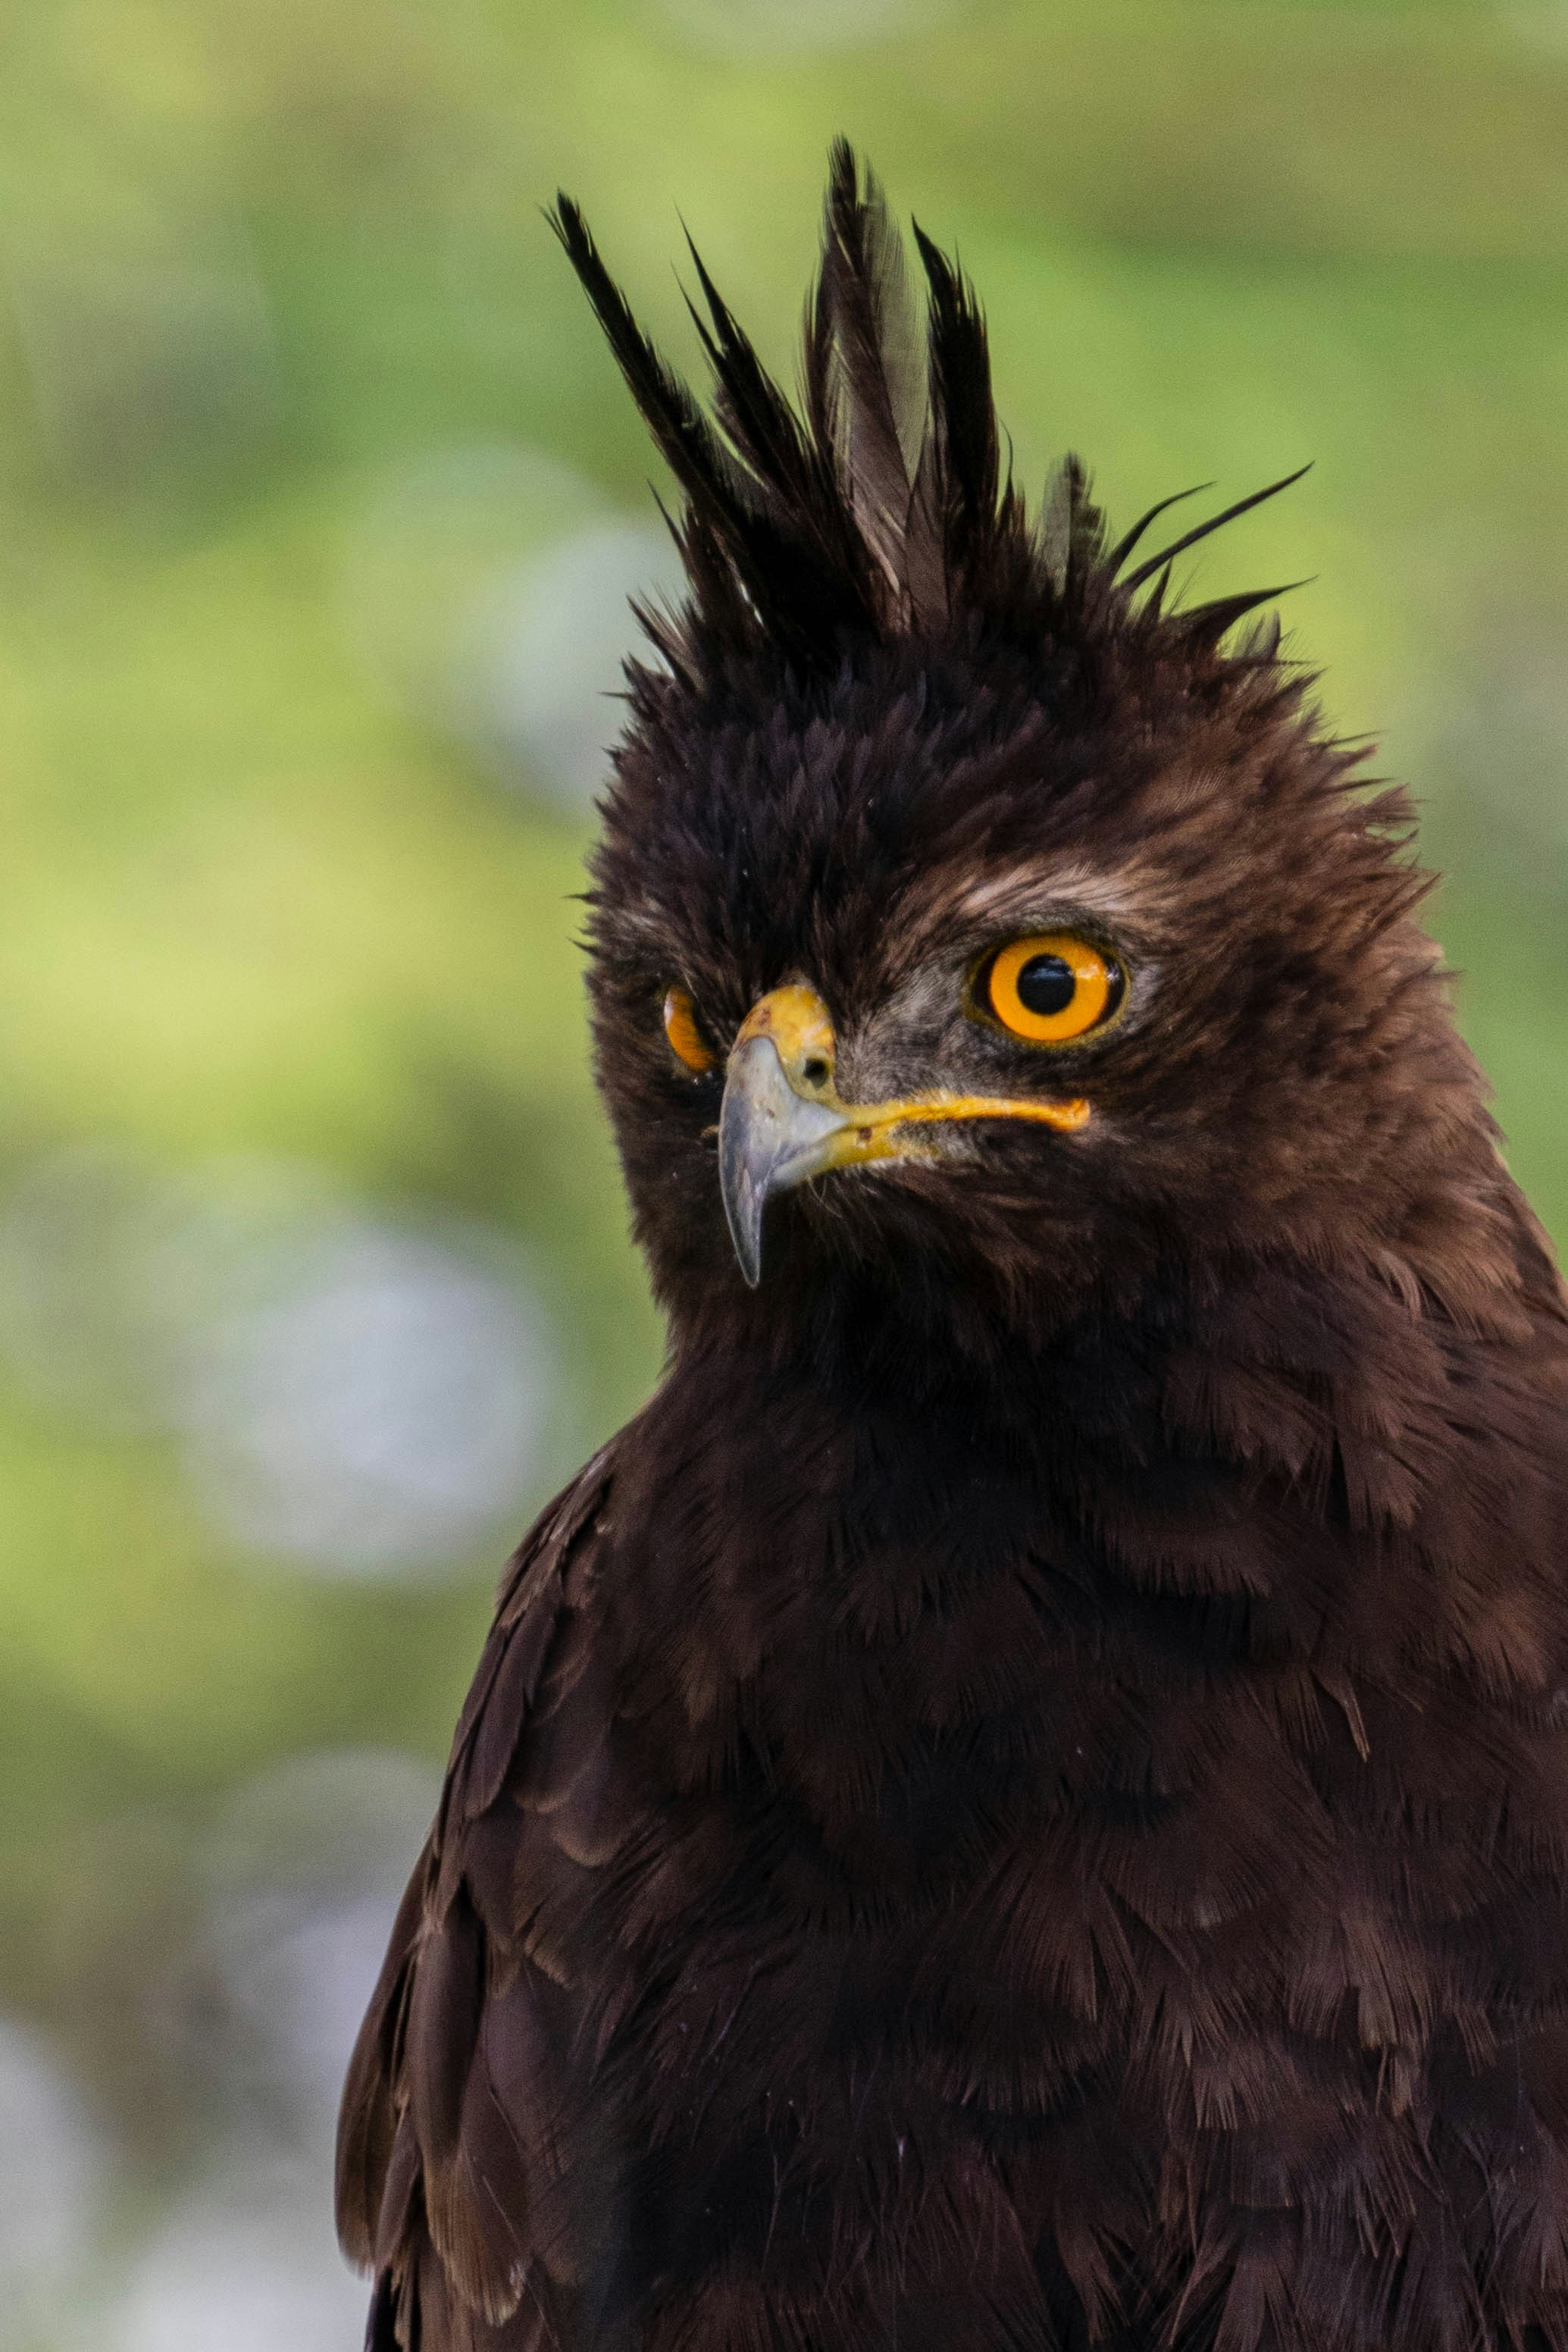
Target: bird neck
1255	1368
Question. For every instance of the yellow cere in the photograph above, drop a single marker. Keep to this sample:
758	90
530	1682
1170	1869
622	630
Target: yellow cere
1051	987
684	1036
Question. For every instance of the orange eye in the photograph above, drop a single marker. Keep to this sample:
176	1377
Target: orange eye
684	1036
1050	987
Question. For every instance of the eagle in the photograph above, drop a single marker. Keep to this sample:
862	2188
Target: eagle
1022	1804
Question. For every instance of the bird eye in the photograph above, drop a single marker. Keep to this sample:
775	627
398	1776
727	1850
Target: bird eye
1049	988
685	1037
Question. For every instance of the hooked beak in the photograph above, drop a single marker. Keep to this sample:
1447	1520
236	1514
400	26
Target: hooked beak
782	1122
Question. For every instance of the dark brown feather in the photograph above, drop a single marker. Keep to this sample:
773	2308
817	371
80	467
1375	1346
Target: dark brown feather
1024	1801
869	400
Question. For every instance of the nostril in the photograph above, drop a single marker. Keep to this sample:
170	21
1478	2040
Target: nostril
814	1070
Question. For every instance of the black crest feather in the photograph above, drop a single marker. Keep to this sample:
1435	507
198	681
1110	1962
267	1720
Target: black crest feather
882	506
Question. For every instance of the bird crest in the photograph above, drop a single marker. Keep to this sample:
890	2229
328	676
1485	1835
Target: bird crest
882	505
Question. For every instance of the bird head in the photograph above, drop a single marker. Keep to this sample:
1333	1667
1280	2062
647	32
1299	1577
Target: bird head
971	927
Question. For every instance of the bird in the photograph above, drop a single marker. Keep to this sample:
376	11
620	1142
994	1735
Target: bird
1021	1803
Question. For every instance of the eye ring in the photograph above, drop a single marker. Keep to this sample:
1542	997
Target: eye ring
685	1034
1049	988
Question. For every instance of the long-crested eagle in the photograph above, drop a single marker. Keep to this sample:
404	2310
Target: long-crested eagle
1022	1803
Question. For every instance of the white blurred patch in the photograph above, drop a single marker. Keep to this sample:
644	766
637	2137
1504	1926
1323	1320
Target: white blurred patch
487	590
302	1872
302	1984
241	2274
378	1415
546	650
355	1396
305	1870
51	2163
425	542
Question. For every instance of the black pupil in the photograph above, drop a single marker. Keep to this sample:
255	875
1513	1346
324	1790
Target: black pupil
1046	984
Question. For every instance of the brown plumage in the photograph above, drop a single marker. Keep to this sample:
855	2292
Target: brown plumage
1023	1803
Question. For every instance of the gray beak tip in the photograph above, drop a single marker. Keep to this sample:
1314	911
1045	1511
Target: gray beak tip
769	1138
743	1207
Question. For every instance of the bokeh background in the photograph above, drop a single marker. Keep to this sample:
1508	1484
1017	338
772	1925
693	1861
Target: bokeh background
320	507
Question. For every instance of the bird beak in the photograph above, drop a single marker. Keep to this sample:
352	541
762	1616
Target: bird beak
782	1122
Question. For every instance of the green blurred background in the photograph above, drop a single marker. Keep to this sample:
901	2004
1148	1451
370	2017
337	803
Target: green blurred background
321	504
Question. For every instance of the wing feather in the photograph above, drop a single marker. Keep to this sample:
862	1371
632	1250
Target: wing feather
369	2124
449	2181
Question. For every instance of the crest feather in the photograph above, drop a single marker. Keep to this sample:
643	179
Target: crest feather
882	506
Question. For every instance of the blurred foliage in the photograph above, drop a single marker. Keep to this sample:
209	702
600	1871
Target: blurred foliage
265	266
